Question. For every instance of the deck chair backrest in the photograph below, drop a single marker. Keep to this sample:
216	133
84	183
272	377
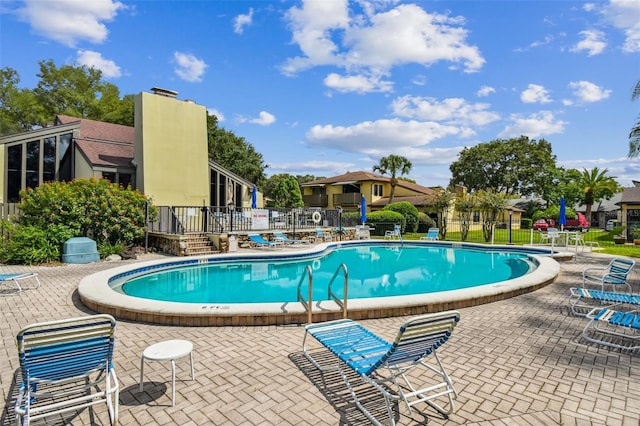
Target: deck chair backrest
621	267
65	349
418	338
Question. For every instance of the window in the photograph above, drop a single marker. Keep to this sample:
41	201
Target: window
110	176
124	179
476	216
33	164
65	171
377	190
14	173
49	160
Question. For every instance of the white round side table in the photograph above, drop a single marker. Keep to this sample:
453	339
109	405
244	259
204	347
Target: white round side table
168	350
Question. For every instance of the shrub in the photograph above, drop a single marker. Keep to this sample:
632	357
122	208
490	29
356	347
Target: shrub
94	208
526	223
384	220
408	211
29	245
425	222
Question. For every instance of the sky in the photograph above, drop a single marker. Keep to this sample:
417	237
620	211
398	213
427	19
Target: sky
325	87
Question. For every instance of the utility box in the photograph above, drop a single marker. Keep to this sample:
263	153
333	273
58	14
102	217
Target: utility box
80	250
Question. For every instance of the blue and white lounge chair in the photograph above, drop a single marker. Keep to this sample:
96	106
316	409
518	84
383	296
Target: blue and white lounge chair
393	235
66	365
321	236
433	234
382	364
279	236
616	275
583	300
616	329
10	283
260	242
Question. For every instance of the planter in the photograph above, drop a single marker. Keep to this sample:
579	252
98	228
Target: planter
636	242
619	240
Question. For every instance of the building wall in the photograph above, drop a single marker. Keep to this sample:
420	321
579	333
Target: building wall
171	151
83	170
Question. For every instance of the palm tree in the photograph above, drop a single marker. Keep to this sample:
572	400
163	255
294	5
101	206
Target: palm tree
595	184
634	136
393	165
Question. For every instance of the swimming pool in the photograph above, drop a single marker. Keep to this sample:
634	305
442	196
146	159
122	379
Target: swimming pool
529	270
373	271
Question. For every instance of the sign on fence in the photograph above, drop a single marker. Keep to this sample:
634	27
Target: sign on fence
259	219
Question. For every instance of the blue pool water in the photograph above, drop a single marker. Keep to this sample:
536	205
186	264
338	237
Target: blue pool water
373	270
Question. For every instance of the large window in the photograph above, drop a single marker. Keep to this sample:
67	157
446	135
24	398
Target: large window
14	173
33	164
49	159
65	156
377	190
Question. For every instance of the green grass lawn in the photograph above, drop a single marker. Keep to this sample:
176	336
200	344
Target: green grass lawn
523	236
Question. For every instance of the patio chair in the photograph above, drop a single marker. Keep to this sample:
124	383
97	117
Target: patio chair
393	235
11	282
322	236
551	236
616	329
382	364
583	300
260	242
279	236
433	234
616	274
66	365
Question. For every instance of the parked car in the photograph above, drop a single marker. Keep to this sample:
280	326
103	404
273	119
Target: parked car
611	223
540	225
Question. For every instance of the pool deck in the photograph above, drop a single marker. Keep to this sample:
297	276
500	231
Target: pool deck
519	361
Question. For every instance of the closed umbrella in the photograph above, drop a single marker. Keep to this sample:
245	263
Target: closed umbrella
254	198
562	219
363	209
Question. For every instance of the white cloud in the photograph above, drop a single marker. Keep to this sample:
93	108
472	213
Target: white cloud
625	15
535	94
485	91
593	42
375	137
312	167
357	83
450	111
587	92
535	125
69	21
217	113
263	119
242	21
95	60
327	34
189	68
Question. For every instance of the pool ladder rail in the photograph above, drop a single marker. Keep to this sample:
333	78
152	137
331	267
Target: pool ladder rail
308	304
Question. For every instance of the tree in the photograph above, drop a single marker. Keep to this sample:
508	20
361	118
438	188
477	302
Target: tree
79	92
441	202
235	153
514	166
283	191
19	108
596	185
491	204
393	165
634	136
464	205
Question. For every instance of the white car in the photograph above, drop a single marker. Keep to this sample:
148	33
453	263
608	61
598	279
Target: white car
611	223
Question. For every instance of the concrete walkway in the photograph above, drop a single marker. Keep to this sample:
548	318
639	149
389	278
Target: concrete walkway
516	362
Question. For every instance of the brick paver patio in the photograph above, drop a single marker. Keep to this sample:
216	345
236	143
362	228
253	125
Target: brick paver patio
516	362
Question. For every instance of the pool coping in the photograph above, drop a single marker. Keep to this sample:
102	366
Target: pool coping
96	293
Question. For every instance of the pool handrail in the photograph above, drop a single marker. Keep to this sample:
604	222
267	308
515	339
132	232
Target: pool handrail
332	295
307	304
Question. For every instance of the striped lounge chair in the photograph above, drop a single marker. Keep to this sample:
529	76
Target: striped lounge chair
583	300
10	283
384	364
616	329
615	275
66	365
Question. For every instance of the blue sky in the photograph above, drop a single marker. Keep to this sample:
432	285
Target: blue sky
323	87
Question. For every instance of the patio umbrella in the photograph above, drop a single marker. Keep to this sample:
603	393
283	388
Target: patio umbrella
254	197
562	219
363	209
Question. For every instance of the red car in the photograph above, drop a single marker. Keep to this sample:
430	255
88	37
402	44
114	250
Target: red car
540	225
